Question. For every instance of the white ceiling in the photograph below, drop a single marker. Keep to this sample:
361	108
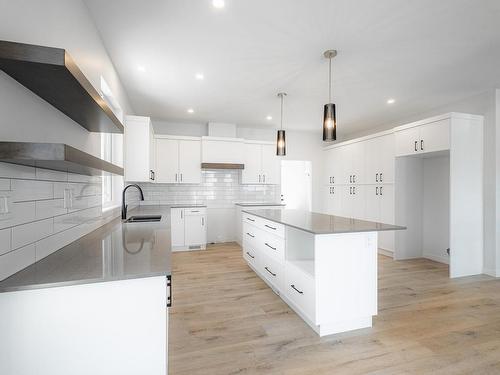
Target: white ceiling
423	53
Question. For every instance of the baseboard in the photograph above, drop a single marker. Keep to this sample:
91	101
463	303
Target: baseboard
387	253
491	272
436	258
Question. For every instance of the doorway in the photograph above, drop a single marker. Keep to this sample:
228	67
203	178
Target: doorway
296	184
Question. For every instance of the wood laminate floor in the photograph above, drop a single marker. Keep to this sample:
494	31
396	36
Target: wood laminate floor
225	320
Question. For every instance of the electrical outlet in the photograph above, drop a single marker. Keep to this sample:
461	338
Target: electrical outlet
4	205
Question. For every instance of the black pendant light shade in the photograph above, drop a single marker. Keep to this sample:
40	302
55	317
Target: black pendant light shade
329	115
280	138
281	143
329	123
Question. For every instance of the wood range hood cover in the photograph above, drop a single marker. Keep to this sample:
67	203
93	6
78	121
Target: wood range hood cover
222	166
55	156
52	74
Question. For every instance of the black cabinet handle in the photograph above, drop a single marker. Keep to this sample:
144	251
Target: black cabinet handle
422	145
380	176
333	179
333	190
381	190
270	227
249	219
251	235
354	190
151	175
250	255
376	177
354	178
416	146
350	190
268	270
350	179
376	190
298	291
269	246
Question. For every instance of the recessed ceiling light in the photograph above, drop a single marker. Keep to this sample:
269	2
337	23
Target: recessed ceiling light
141	68
391	101
190	110
218	4
199	76
269	117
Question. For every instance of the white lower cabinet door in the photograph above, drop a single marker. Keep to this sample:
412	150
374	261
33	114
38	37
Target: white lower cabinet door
358	201
273	271
177	226
195	230
333	200
372	212
299	288
251	255
386	239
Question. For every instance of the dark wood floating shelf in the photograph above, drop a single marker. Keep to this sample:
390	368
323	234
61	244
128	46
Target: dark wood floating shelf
55	156
52	74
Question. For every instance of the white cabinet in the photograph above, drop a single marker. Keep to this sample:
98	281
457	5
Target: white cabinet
262	166
139	149
222	150
188	228
352	157
353	201
379	160
380	208
178	160
333	204
333	166
427	137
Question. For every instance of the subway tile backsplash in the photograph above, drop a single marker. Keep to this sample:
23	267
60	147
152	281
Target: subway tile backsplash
218	189
38	221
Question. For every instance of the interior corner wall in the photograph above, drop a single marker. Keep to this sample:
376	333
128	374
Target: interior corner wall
497	185
55	23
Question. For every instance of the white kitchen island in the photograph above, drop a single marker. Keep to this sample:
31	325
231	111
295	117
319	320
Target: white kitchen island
324	267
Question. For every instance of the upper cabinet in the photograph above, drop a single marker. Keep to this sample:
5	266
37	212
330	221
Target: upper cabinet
262	166
379	160
52	74
422	138
139	150
178	160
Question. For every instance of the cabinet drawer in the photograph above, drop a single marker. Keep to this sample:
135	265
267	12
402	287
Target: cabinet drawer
251	219
251	255
300	289
272	246
273	271
251	234
272	227
195	211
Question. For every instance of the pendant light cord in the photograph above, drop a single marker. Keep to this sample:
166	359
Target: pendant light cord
281	124
330	81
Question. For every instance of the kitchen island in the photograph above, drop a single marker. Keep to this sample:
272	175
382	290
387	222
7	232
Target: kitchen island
324	267
96	306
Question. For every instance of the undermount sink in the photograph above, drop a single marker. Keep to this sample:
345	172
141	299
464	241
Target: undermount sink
143	219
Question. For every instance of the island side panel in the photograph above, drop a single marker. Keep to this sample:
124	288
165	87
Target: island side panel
117	327
346	281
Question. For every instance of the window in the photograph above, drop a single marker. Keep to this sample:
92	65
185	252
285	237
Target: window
111	151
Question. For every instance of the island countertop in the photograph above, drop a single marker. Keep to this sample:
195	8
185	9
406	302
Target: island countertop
115	251
317	223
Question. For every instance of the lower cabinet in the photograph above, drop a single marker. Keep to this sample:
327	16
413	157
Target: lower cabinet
300	290
188	228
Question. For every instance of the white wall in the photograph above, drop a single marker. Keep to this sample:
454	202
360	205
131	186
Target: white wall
436	208
55	23
38	223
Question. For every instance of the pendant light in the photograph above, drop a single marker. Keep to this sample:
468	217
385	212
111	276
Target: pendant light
280	139
329	116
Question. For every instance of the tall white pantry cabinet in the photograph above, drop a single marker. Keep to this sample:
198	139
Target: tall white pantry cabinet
387	177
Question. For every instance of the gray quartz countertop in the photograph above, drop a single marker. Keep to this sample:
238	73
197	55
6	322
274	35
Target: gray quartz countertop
316	223
188	206
115	251
258	204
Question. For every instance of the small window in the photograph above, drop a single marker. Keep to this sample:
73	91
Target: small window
107	178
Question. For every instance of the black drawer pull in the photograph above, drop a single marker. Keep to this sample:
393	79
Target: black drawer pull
250	255
270	227
269	246
251	235
268	270
249	219
294	288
